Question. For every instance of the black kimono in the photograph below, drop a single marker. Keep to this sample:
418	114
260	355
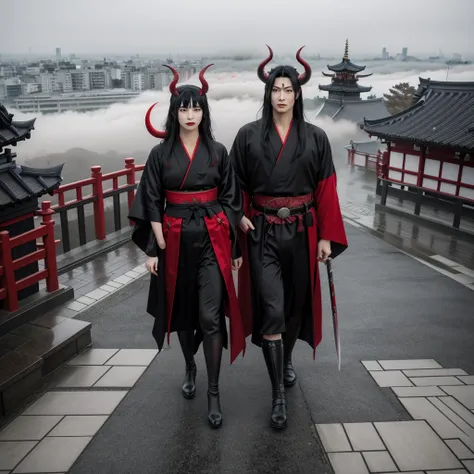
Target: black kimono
279	278
198	202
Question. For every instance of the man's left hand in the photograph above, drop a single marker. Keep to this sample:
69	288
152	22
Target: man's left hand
237	263
324	250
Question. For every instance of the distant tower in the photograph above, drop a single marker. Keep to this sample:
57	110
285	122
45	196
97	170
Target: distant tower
344	85
58	53
404	52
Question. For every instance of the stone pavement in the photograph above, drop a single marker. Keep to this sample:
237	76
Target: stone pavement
403	401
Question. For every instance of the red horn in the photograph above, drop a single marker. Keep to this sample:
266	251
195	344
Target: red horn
175	80
262	75
152	130
304	77
205	85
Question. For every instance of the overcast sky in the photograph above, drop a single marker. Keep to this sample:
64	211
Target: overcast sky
213	26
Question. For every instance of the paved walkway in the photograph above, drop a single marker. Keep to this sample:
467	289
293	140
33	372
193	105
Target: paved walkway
403	401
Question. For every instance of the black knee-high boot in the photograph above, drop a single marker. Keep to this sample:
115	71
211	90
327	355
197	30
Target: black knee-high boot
213	353
289	340
273	354
186	339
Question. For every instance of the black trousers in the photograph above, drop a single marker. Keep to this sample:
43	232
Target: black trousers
200	288
279	262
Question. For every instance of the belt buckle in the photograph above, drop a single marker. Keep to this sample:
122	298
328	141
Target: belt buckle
283	212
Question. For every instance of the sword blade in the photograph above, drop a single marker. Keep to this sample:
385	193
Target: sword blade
335	319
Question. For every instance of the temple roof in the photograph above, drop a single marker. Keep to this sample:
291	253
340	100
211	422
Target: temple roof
335	87
12	132
20	183
354	111
346	65
442	115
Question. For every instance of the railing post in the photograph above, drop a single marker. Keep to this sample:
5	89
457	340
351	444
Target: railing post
130	166
11	299
99	209
52	282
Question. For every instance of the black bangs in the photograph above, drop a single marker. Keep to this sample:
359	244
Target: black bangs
188	96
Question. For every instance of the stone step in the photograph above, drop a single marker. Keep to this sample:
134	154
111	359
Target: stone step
32	307
34	350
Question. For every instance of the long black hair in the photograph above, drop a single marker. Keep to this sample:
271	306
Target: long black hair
267	113
189	96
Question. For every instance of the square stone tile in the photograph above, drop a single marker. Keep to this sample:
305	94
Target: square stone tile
392	378
12	452
450	471
76	403
142	357
333	437
409	364
464	279
121	377
459	449
93	357
96	294
132	274
123	279
459	409
422	409
77	376
451	415
463	269
114	284
53	455
85	300
79	426
414	445
371	365
418	391
363	437
434	372
435	381
107	288
140	269
29	428
464	394
348	463
444	260
380	462
470	466
75	306
468	379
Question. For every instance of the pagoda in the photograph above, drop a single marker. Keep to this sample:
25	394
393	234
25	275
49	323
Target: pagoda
344	101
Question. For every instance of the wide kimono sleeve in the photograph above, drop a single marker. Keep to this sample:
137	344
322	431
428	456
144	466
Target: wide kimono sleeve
230	198
238	160
148	205
328	211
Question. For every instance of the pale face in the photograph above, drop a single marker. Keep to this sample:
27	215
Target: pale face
283	95
190	118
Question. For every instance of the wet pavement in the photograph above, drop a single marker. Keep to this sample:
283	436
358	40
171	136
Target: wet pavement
391	308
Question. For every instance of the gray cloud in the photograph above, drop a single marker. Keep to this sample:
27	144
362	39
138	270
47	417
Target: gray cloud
211	26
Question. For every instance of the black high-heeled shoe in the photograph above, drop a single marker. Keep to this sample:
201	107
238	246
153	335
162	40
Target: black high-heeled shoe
214	412
189	385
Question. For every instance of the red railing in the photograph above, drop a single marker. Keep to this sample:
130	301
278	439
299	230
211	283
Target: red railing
47	252
370	160
97	198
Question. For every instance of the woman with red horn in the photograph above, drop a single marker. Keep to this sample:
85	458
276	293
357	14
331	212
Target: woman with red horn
187	209
292	220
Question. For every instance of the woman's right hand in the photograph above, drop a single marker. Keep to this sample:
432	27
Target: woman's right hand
151	265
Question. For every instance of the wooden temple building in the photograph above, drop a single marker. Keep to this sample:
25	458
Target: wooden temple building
344	101
430	149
